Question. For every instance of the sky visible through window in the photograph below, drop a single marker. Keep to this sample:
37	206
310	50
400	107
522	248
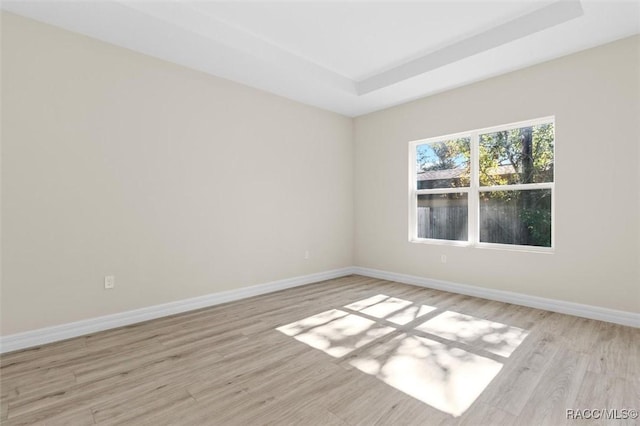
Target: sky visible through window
443	155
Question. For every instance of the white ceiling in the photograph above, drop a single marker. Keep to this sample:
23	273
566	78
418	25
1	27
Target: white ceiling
357	40
348	57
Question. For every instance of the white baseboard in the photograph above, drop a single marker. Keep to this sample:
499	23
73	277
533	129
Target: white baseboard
587	311
56	333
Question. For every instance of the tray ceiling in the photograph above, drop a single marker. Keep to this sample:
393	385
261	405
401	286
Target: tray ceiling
349	57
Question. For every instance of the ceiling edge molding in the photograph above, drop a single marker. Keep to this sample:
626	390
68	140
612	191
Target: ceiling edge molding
211	28
531	23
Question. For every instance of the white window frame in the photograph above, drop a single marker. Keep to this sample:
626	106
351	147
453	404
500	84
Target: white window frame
474	189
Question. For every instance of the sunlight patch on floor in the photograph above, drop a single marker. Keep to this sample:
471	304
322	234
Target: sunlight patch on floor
444	377
335	332
445	361
369	301
393	309
500	339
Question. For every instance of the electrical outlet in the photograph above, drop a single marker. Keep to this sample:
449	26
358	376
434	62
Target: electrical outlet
443	258
109	282
306	254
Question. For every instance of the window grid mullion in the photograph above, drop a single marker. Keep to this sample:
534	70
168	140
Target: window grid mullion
516	187
474	205
442	191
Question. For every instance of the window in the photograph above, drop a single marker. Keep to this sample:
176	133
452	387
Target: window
489	187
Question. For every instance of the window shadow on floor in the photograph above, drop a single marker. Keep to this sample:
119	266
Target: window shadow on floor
442	358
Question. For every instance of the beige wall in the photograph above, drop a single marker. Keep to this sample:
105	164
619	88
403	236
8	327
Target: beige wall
595	96
182	184
178	183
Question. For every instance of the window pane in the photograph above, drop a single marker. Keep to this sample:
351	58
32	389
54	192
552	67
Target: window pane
443	216
443	164
523	155
516	217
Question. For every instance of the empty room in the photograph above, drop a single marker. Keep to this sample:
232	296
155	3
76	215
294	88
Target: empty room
320	213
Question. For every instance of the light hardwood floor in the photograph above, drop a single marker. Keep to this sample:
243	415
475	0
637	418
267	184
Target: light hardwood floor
349	351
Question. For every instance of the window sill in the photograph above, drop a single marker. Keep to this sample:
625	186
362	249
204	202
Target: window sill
489	246
441	242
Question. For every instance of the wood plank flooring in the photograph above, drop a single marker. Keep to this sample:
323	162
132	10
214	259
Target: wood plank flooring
348	351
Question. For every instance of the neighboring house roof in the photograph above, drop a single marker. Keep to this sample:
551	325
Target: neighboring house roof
456	173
